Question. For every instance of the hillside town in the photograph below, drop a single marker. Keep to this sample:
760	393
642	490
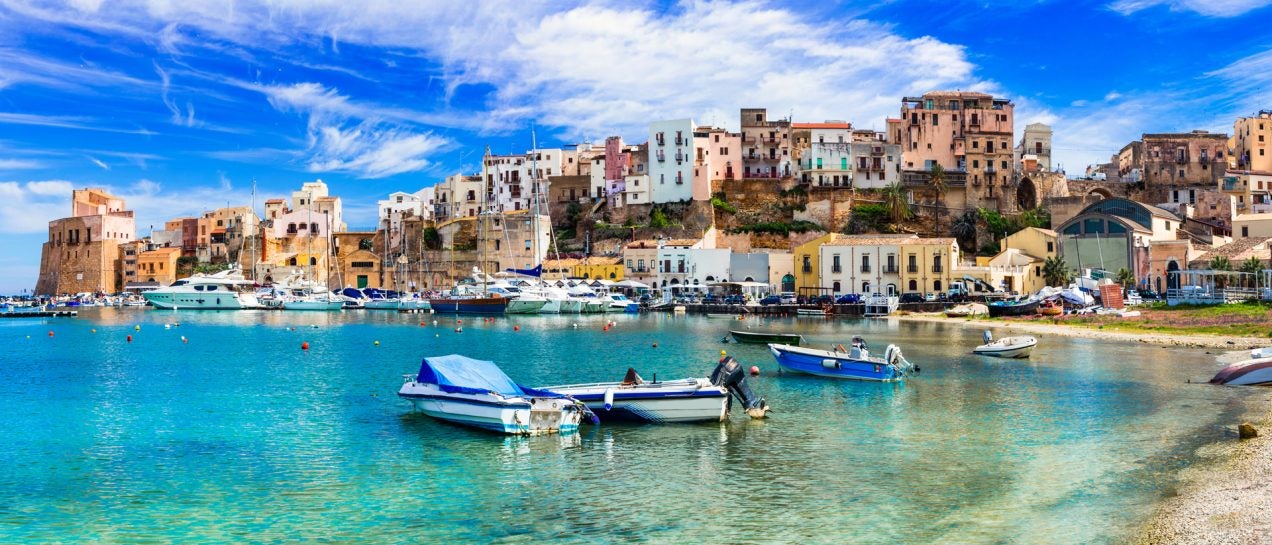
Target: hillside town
948	198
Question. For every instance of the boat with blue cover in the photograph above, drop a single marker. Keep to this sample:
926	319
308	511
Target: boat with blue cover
854	363
477	393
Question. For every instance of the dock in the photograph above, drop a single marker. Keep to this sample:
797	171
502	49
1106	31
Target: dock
39	314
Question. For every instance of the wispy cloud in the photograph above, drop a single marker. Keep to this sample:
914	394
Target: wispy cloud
28	207
19	164
100	164
1210	8
65	122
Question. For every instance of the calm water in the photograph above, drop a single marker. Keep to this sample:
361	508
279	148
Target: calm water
238	435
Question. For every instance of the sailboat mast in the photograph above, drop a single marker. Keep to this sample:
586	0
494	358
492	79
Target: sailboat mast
255	230
481	227
534	191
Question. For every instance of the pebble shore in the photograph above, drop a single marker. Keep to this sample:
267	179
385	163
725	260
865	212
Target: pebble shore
1224	499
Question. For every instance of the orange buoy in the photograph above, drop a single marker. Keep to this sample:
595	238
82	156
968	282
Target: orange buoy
755	370
50	333
304	345
421	323
458	321
516	328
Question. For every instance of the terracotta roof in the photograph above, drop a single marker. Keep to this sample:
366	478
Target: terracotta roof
821	125
639	244
1237	251
275	201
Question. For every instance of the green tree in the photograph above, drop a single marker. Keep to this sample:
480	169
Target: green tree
432	239
1221	263
998	225
964	229
894	199
1125	278
1055	271
1253	265
936	176
658	219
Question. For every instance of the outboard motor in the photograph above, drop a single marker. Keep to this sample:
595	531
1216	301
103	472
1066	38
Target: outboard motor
729	374
987	336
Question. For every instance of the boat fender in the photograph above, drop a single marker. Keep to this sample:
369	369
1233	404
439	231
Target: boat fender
829	363
609	399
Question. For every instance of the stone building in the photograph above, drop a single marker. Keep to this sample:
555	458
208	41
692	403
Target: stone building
1173	160
82	253
969	135
766	145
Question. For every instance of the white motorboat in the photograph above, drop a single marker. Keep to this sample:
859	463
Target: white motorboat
477	393
1006	347
226	290
683	400
620	303
309	299
1251	372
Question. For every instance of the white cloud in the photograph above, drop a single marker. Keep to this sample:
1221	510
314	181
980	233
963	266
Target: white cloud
65	122
100	164
371	153
19	164
28	207
1210	8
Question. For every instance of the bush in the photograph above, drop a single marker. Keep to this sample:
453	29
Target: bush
778	227
658	219
723	206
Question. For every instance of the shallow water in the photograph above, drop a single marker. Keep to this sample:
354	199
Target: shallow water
238	435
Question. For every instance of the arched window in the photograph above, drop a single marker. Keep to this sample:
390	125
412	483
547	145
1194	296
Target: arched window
710	278
914	285
313	261
865	287
835	287
613	276
748	279
936	286
292	261
788	282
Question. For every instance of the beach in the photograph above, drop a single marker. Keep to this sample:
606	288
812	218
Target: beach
1226	498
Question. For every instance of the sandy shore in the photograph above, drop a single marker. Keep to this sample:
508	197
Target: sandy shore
1040	328
1226	498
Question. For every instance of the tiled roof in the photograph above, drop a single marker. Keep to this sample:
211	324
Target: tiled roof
1237	250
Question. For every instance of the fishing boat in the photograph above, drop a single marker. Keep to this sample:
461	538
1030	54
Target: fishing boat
1022	307
477	393
759	337
1252	372
855	363
1051	307
1006	347
683	400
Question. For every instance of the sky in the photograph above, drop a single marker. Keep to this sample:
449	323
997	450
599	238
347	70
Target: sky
180	106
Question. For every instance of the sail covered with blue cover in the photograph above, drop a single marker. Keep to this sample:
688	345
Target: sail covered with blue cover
460	374
535	272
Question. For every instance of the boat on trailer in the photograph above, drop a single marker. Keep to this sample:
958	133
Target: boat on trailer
855	363
478	394
762	337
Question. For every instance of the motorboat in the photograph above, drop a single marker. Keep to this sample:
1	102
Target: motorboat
308	299
1251	372
225	290
1021	307
477	393
620	303
761	337
1007	347
682	400
855	363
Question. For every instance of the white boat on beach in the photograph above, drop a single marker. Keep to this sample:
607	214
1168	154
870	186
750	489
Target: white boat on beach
477	393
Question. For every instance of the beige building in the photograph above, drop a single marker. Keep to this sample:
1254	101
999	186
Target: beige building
888	264
928	264
82	253
1183	159
1251	140
1252	190
969	134
1252	225
640	260
1018	266
159	265
766	145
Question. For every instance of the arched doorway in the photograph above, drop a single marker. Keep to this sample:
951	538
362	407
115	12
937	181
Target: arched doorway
1026	195
788	282
1172	275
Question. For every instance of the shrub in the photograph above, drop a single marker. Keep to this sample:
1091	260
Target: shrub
723	205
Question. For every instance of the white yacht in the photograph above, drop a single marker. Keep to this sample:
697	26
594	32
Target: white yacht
226	290
308	299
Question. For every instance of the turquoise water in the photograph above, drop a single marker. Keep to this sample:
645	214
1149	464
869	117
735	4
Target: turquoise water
238	435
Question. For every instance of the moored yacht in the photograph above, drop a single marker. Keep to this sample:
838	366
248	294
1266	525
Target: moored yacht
226	290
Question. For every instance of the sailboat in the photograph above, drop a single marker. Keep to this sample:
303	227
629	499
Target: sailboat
465	300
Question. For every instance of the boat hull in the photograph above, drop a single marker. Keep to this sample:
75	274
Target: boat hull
381	304
327	306
524	306
824	363
571	306
1255	372
752	337
1010	347
1019	309
513	416
483	305
197	301
682	401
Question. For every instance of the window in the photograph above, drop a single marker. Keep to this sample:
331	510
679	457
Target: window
1245	231
1051	247
865	263
936	285
313	261
935	120
835	286
913	265
936	263
808	264
914	285
835	267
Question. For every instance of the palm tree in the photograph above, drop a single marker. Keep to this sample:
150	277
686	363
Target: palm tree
1055	271
894	199
964	229
937	178
1220	263
1125	278
1253	265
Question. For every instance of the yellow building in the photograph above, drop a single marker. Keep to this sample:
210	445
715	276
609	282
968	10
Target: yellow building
807	263
927	264
158	265
600	268
1018	266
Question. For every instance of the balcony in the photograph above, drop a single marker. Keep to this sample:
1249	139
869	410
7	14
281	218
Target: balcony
918	178
937	268
890	270
912	269
865	268
836	269
989	169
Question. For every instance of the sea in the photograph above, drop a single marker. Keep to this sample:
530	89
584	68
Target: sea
148	426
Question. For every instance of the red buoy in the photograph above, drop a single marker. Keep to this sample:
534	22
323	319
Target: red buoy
50	333
755	370
129	337
516	328
304	345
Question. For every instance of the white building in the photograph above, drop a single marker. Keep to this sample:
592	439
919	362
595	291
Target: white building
458	196
518	179
313	196
876	164
671	146
401	204
826	157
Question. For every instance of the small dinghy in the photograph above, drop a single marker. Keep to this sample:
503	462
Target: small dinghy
759	337
1006	347
1253	372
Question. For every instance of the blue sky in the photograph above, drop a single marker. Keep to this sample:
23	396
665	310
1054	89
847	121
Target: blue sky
179	106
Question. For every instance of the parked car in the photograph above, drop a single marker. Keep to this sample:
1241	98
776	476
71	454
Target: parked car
912	297
735	300
1149	295
788	298
771	300
848	299
712	299
930	297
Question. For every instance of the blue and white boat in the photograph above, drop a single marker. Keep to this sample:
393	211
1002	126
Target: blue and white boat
682	400
855	363
477	393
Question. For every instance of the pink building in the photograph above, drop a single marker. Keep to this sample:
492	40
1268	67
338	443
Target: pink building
717	156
